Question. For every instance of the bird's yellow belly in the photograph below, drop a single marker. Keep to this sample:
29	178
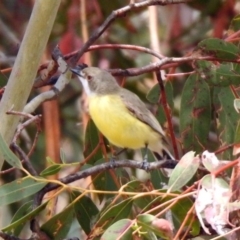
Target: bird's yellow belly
118	125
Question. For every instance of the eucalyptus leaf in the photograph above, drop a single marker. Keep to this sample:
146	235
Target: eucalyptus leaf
8	155
219	48
19	189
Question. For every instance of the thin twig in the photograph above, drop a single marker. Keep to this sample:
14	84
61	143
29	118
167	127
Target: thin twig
118	14
167	113
184	222
25	158
178	74
118	46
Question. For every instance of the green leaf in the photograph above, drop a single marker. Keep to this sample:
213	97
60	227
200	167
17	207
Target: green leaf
22	216
103	181
237	133
219	48
184	171
180	211
58	226
51	170
208	182
154	93
138	186
148	223
217	75
234	27
157	176
63	156
121	229
115	213
195	114
19	189
8	155
228	119
91	141
85	211
153	96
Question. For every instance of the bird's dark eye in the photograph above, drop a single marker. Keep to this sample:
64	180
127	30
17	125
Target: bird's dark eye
89	77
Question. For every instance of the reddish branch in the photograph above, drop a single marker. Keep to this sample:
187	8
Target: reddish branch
167	113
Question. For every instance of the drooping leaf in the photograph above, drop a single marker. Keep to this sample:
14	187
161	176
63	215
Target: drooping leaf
62	155
19	189
22	216
58	226
104	181
138	186
153	96
219	48
160	227
228	119
8	155
180	212
121	229
91	141
115	213
234	26
195	113
236	148
184	171
85	211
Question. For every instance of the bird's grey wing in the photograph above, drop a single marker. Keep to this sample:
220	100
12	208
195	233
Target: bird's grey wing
137	108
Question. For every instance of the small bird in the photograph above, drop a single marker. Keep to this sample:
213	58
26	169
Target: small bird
120	115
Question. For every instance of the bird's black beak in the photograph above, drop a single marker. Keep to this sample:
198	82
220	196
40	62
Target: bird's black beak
77	70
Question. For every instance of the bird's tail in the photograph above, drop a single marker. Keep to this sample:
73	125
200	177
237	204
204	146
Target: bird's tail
164	155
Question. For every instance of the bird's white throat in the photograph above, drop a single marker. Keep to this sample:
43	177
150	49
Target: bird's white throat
86	86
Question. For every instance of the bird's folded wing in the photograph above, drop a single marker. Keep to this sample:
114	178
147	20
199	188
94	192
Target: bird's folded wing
137	108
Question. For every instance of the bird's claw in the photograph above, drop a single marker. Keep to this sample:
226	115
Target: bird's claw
112	162
145	165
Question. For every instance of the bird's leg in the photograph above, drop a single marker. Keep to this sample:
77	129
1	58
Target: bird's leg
119	152
116	154
145	163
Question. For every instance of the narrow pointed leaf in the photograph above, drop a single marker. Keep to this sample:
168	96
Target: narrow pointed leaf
160	227
8	155
23	216
115	213
119	230
91	141
184	171
58	226
19	189
217	75
104	181
219	48
195	114
228	119
154	95
51	170
85	211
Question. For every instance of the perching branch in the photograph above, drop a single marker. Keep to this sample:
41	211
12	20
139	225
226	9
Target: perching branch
101	168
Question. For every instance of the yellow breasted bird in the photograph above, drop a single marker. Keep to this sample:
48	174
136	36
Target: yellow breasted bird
119	114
